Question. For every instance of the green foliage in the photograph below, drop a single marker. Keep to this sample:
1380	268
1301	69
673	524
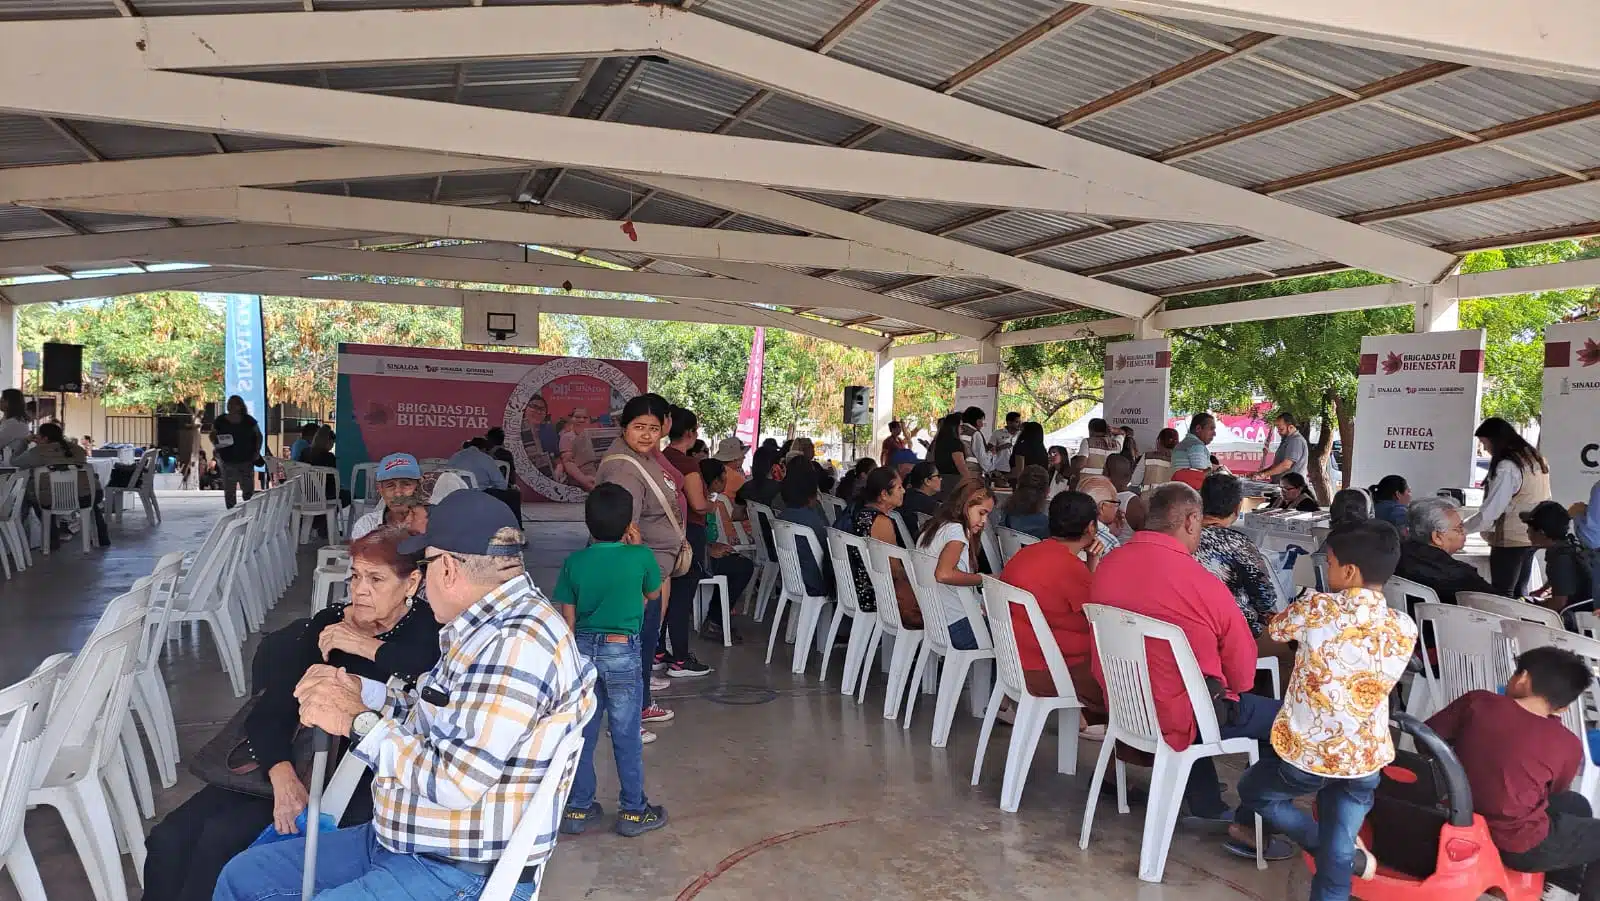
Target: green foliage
303	338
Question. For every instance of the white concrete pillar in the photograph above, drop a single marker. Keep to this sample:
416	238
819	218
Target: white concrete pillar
1145	329
988	350
1437	311
882	398
10	354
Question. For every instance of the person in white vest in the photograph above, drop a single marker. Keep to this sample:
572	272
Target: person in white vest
1518	480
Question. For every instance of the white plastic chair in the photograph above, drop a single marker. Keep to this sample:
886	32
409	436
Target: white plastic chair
141	484
1468	653
329	584
907	641
1033	711
788	536
902	530
505	470
990	543
58	499
1510	608
81	769
956	663
151	703
314	502
862	625
12	496
1526	636
205	596
24	709
766	580
1121	639
1400	594
1011	541
1588	623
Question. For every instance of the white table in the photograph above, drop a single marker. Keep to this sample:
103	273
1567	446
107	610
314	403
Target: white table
101	467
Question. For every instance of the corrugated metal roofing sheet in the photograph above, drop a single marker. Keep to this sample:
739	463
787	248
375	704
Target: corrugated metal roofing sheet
1348	67
122	142
1143	240
1441	176
796	23
1547	209
28	140
213	7
55	9
670	209
485	187
1480	98
1020	228
20	222
1575	146
1351	134
921	216
898	142
941	290
1011	306
927	41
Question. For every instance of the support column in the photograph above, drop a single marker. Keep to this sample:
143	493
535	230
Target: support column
988	350
1145	329
10	354
882	398
1437	311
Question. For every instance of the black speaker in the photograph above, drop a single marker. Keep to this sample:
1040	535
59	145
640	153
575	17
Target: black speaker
855	406
63	368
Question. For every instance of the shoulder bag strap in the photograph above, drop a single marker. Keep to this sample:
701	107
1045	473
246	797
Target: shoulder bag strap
661	496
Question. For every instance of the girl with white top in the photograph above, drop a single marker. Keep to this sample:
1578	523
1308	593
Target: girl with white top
1518	480
952	533
15	432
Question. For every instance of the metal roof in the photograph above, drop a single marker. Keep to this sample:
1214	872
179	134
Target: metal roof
1446	155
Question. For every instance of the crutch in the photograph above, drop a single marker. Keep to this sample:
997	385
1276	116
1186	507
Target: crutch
320	744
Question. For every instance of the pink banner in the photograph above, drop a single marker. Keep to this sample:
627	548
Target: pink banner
749	428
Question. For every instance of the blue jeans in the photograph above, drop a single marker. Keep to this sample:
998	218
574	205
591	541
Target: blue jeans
351	866
647	648
1251	719
617	690
1270	787
961	636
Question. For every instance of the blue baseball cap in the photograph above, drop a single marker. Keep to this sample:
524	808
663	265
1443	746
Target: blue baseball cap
903	455
398	466
465	523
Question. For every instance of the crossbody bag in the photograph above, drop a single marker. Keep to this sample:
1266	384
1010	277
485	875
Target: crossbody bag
685	558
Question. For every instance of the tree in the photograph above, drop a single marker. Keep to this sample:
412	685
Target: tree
303	338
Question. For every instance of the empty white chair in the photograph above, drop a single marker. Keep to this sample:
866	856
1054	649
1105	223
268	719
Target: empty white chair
1510	608
1402	593
1526	636
329	584
766	580
24	709
151	704
714	590
1467	651
314	502
141	484
1033	711
862	625
57	494
1121	639
907	641
81	770
1011	541
788	537
957	663
205	596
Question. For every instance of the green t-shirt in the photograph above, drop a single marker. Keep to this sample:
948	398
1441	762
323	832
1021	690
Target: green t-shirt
608	582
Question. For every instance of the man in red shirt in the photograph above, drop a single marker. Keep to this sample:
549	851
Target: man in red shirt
1156	575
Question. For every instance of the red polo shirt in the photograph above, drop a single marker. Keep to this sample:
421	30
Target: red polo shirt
1154	575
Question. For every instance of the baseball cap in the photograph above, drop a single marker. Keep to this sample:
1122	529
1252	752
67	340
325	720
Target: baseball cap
398	466
903	455
1550	519
465	523
730	450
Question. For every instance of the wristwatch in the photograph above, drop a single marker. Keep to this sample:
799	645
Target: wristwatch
364	722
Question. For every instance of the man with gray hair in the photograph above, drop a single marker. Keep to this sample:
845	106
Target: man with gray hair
1104	492
1156	575
1433	535
454	769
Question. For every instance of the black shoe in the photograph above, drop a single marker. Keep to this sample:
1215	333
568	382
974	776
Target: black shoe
575	820
688	668
633	824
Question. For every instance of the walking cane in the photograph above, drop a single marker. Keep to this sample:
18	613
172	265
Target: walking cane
320	744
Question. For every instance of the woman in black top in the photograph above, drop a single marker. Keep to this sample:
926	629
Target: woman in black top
1028	451
922	489
237	438
948	454
379	634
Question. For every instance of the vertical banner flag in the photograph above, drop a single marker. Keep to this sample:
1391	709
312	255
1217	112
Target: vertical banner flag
749	429
1569	435
245	369
978	385
1417	408
1138	387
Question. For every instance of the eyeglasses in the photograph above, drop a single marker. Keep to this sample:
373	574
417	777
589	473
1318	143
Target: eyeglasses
422	564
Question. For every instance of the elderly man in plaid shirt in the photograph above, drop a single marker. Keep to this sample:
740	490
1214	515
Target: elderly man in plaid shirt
455	766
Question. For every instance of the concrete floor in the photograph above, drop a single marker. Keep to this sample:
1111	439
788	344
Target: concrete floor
776	785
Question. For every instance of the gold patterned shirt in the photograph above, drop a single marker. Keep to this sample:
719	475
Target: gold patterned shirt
1335	715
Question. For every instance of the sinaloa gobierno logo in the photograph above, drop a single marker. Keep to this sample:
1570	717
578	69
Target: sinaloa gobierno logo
533	464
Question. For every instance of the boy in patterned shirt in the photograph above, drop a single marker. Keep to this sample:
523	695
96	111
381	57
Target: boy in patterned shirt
1332	733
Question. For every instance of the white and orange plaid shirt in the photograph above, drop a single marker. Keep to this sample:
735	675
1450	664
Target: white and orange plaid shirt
454	779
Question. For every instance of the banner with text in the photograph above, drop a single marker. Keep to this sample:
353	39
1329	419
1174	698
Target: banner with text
978	385
559	413
1417	408
1569	434
1138	387
245	368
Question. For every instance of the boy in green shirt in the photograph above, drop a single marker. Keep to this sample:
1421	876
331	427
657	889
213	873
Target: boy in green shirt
602	592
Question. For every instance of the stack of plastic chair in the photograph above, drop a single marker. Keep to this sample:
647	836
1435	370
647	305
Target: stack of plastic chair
862	625
907	642
766	580
81	770
206	596
13	492
282	540
1033	711
328	584
57	495
1121	639
24	709
250	591
141	485
936	643
151	704
1526	636
1012	541
789	536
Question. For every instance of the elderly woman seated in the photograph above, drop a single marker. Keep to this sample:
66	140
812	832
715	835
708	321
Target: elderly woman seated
1433	534
1231	556
380	633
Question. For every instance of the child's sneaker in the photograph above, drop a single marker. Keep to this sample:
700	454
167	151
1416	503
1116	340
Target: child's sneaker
646	736
688	668
574	820
636	823
660	683
1363	865
655	713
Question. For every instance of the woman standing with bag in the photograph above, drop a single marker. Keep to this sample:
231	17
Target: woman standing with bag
634	466
237	438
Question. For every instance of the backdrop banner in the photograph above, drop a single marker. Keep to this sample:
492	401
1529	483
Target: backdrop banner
749	427
559	413
1138	387
1569	434
978	385
1417	408
245	368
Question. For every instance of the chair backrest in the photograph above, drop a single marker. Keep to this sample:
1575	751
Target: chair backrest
364	477
931	598
320	476
900	528
537	824
839	546
732	531
1467	653
761	520
277	470
1012	541
505	470
59	488
1000	600
789	535
832	507
163	592
13	486
1588	623
211	569
91	701
24	710
467	476
1305	572
1121	640
1401	594
878	569
1526	636
1509	608
990	544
